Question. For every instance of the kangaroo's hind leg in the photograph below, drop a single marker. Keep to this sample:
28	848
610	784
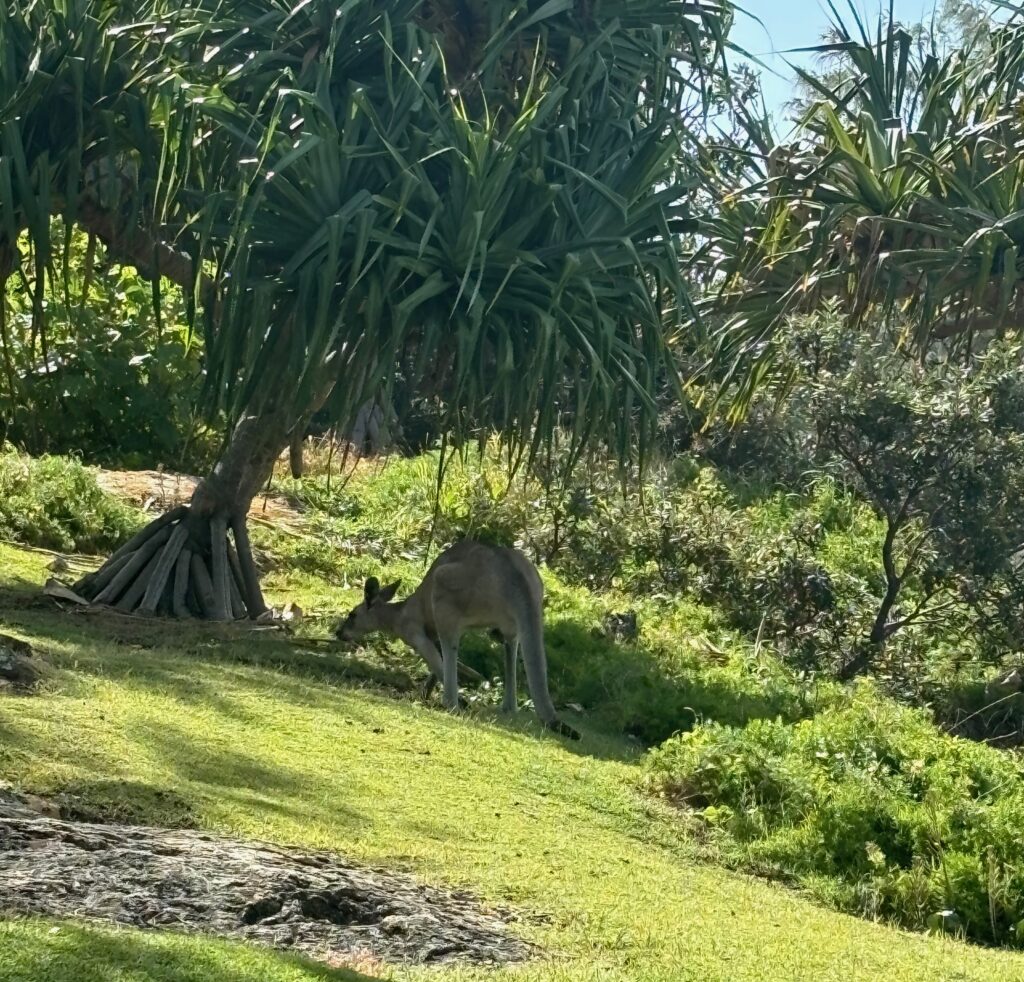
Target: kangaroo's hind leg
509	703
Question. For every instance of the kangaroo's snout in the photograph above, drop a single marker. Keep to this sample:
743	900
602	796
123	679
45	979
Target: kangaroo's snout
342	630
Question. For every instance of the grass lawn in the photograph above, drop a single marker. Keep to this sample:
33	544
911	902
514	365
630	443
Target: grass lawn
237	733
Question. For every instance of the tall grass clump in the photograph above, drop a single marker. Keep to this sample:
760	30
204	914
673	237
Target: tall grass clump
55	503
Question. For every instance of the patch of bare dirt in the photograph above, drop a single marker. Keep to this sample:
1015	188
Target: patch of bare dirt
159	491
188	881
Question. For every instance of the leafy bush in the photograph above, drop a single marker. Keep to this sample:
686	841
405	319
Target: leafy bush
792	570
975	702
775	565
683	668
869	806
100	375
936	447
55	503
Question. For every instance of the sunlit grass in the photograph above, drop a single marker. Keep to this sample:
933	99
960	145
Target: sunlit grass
252	739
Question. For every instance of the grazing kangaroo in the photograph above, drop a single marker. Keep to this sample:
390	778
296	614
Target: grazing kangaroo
470	585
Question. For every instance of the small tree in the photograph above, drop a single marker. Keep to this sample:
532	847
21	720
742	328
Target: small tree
937	448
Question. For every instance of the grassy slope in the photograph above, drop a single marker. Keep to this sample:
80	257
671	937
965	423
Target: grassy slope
302	757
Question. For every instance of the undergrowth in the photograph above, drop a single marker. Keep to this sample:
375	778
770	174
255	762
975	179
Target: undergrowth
797	575
55	503
869	807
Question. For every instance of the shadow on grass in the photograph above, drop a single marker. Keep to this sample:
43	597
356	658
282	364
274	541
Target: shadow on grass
230	773
17	591
61	951
126	803
626	690
631	689
126	640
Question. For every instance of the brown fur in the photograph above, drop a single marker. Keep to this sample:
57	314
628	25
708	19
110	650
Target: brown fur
469	586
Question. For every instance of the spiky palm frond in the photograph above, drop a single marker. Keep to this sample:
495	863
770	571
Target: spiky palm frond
484	192
901	196
510	238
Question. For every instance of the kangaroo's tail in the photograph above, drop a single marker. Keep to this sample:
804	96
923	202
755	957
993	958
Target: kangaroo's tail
531	639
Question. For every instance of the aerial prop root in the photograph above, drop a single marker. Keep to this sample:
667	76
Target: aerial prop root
182	565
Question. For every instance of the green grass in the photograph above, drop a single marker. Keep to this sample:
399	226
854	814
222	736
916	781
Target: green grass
49	952
55	503
247	738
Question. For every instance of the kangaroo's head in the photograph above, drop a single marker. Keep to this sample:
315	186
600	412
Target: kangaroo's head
371	614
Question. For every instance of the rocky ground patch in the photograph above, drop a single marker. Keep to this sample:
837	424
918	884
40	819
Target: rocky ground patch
190	881
20	671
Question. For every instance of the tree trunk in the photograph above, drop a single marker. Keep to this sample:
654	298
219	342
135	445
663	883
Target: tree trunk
872	646
184	563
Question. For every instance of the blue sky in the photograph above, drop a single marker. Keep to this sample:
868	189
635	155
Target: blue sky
798	23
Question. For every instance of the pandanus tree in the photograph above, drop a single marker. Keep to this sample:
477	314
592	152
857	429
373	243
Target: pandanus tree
900	202
900	197
483	193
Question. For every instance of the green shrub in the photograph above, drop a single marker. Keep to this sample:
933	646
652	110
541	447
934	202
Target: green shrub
672	677
55	503
977	702
107	379
867	804
795	571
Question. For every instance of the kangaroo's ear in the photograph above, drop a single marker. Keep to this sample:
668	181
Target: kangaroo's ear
370	590
388	593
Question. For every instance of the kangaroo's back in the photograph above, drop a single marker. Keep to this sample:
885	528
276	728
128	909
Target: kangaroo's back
483	580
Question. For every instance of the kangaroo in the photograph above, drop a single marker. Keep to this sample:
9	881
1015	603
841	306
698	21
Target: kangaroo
470	585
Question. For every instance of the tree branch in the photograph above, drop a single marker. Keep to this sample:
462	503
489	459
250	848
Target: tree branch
916	549
136	247
921	611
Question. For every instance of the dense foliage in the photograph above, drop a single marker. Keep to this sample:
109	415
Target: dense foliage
898	195
104	378
938	450
867	806
482	196
55	503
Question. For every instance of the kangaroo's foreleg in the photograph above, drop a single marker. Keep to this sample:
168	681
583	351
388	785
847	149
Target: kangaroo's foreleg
450	669
509	703
427	649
